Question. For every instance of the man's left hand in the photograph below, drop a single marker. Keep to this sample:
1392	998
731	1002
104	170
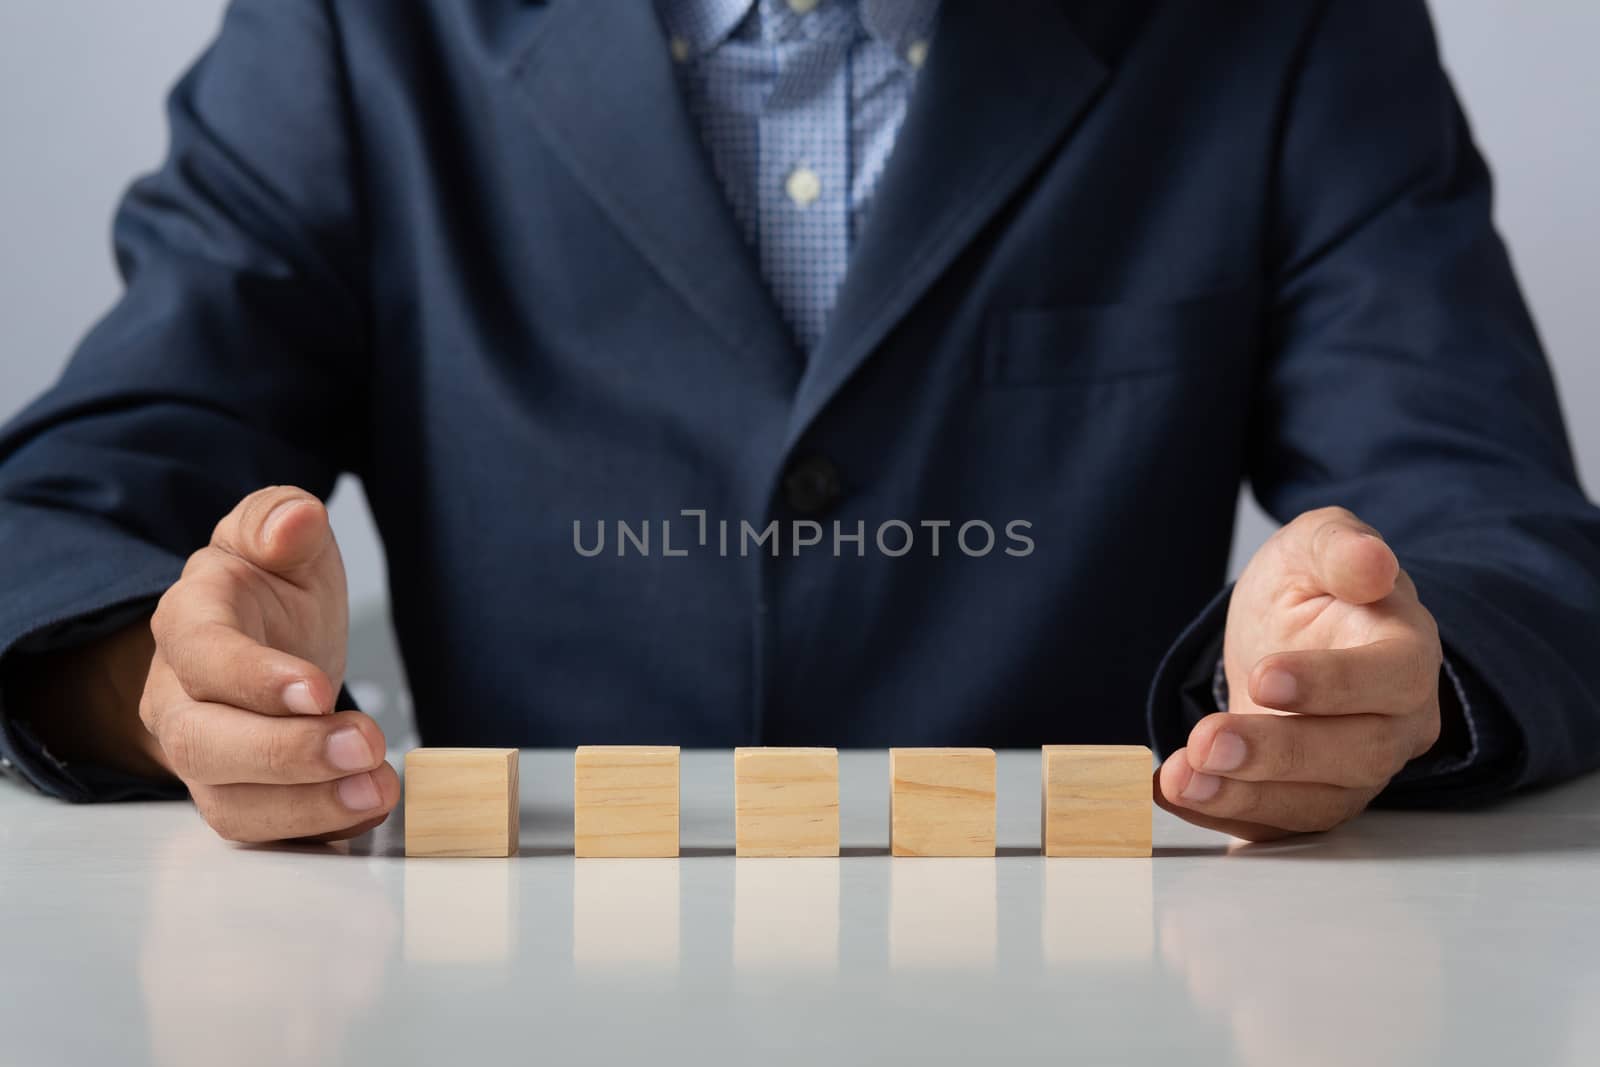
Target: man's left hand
1333	686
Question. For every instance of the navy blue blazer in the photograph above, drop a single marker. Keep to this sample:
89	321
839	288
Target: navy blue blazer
1126	254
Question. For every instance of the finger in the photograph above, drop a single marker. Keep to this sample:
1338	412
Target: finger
1345	557
1253	832
281	529
1354	752
1253	810
346	834
257	813
1231	827
215	662
1394	676
212	744
161	693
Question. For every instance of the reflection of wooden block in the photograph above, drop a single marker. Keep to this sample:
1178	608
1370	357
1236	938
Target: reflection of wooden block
786	801
461	802
625	801
944	913
625	917
459	912
1099	911
1096	800
941	801
786	915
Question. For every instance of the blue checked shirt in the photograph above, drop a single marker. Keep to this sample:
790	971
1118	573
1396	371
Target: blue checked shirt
799	103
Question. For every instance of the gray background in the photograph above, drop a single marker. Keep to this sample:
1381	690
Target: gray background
81	84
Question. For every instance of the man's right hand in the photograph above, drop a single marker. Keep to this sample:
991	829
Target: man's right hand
250	655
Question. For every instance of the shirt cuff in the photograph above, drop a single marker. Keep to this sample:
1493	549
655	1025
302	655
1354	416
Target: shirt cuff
24	756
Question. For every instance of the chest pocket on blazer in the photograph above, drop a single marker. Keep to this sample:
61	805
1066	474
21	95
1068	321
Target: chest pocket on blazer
1083	344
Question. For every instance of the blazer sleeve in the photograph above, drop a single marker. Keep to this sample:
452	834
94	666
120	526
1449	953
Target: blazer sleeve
1404	380
236	357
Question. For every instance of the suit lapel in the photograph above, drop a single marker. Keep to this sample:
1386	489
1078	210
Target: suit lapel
1003	83
605	97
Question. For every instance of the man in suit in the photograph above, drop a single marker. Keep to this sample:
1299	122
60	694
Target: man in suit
809	372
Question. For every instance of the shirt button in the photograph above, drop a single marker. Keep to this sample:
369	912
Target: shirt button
812	485
802	7
917	53
803	186
680	49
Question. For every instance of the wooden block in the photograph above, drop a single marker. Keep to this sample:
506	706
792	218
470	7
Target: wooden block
1096	800
941	801
625	801
786	801
461	802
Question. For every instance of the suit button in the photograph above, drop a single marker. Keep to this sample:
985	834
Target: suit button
812	485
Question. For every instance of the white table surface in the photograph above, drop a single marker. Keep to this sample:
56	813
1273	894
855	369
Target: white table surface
132	935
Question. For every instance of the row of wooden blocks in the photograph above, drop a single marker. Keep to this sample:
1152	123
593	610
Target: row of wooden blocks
1095	801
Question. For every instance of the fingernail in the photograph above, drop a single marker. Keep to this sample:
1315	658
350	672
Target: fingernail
349	751
275	516
1201	787
1227	752
298	699
1278	688
359	792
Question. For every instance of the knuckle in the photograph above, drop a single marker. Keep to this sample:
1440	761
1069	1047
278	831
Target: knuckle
309	810
1324	520
1292	756
198	560
1320	535
1427	736
1421	669
1341	675
1242	800
179	650
231	572
1310	816
1386	759
181	741
161	620
279	755
149	710
225	821
1431	732
1406	584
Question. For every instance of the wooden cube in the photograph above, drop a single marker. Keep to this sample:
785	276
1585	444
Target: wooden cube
941	801
1096	800
461	802
786	801
625	801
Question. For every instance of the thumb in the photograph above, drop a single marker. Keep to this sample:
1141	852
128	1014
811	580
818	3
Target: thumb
1347	558
281	529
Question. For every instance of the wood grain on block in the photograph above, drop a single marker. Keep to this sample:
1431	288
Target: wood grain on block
941	801
461	802
625	801
1096	800
786	801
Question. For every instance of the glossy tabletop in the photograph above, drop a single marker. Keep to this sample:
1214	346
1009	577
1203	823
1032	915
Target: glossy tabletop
132	935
